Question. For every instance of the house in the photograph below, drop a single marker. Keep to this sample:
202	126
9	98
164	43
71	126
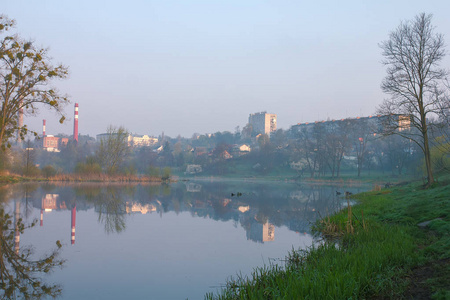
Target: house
193	169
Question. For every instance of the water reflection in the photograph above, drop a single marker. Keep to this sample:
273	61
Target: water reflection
172	222
21	273
256	207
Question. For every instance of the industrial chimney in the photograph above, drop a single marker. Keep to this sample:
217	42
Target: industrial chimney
75	124
43	128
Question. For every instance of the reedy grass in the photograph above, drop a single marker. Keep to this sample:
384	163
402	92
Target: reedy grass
362	266
369	252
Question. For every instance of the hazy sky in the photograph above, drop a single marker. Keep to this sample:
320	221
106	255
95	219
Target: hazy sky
203	66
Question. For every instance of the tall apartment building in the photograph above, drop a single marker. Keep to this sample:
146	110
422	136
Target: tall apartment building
263	122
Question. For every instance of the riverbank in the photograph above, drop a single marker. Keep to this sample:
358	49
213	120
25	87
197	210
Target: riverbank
394	243
85	178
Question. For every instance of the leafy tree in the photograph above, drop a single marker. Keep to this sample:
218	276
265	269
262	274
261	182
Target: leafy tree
414	80
113	149
25	74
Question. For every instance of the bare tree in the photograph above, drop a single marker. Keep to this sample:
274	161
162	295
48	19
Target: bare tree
25	74
414	80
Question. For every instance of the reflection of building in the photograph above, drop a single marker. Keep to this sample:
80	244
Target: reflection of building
137	207
193	187
244	209
263	122
49	202
298	195
261	232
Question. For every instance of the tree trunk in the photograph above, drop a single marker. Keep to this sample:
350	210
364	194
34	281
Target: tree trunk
430	178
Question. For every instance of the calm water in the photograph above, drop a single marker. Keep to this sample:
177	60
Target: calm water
167	242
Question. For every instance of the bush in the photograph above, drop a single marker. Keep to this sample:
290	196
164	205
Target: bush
153	171
88	168
166	174
48	171
31	171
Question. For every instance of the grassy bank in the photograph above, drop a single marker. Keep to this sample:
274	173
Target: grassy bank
377	249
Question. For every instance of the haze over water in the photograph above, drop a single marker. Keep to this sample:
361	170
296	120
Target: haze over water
169	242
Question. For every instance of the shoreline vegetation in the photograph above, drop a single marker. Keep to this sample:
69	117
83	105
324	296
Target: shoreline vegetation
393	244
12	178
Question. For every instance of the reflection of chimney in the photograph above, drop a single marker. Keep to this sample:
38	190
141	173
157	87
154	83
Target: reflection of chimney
75	124
17	232
42	217
74	215
43	128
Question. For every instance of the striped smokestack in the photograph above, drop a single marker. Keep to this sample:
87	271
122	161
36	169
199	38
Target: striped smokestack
75	124
74	215
43	128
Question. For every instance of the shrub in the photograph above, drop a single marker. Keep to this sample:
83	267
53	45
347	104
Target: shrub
48	171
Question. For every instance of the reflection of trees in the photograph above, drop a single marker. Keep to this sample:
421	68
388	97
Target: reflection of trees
109	201
290	205
19	272
111	209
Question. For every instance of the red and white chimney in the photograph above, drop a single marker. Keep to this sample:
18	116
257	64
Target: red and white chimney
75	124
43	128
74	215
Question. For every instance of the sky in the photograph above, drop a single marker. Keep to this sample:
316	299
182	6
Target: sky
192	66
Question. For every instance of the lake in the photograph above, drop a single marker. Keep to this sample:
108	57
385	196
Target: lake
177	241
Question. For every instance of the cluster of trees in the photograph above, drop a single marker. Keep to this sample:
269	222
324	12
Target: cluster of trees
320	149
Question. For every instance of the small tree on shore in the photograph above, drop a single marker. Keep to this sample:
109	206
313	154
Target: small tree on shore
113	149
415	81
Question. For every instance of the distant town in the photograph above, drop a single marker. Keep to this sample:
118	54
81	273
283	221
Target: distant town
320	148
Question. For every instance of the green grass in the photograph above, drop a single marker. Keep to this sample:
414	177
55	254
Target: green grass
375	253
